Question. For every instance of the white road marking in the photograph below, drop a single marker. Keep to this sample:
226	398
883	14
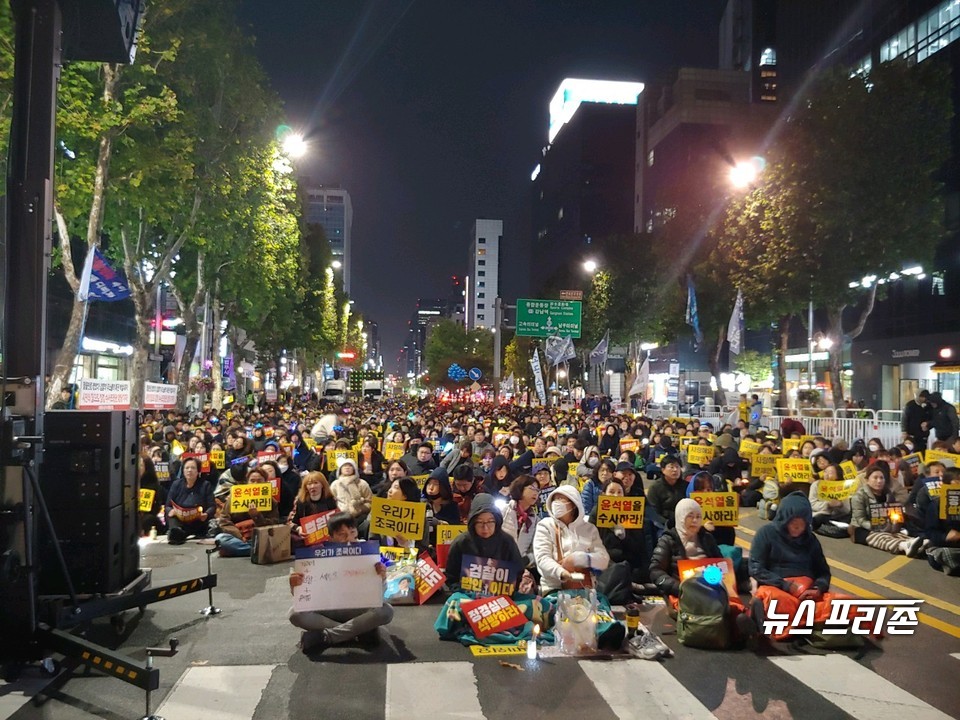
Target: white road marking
652	688
217	692
435	690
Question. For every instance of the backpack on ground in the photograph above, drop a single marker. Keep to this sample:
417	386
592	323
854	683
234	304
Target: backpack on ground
703	615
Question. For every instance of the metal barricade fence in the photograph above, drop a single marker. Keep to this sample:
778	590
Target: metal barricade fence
888	431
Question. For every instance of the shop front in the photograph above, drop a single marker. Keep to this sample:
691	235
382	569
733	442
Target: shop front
889	373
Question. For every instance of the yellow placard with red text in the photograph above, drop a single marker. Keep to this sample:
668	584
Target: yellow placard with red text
794	470
614	510
631	444
720	508
243	496
837	489
146	499
218	458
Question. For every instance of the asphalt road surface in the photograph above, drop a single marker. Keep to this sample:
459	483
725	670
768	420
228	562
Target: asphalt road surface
244	664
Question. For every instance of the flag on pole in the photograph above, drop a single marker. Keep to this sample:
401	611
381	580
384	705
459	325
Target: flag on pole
538	377
735	327
99	281
693	316
642	380
507	384
598	356
558	349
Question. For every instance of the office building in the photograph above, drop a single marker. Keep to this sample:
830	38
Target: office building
483	279
331	208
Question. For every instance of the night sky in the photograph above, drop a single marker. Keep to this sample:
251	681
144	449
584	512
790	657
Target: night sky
433	112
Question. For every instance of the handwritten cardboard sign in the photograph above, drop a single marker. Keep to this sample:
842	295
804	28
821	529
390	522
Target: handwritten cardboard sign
338	577
243	496
313	528
146	499
486	576
492	615
720	508
397	518
613	510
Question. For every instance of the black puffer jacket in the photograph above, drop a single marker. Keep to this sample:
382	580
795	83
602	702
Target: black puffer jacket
663	565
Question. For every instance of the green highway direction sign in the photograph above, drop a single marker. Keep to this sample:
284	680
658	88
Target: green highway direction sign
543	318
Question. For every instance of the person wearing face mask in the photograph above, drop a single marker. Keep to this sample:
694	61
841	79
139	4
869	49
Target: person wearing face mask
589	462
313	497
466	486
566	543
497	482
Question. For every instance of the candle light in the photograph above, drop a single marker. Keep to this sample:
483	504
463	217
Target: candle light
532	644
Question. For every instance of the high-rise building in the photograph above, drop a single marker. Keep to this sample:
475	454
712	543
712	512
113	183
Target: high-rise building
748	44
583	188
483	280
331	208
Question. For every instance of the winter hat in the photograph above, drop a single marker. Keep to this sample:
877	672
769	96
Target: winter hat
724	440
685	507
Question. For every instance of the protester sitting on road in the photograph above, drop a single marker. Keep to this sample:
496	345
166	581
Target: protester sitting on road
423	462
664	494
189	504
919	497
826	510
565	543
484	538
499	478
439	498
404	489
370	461
863	530
335	627
462	455
589	462
395	469
351	491
941	538
236	529
627	545
601	475
466	486
520	516
314	497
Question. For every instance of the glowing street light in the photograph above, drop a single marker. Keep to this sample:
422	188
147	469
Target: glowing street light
743	174
590	266
336	264
294	145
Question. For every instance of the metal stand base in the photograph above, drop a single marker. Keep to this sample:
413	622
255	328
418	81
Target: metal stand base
208	611
211	609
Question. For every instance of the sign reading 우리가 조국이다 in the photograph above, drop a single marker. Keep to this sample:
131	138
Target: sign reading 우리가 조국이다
543	318
397	518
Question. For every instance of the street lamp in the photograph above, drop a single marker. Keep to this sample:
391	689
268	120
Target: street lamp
336	264
825	343
743	174
590	266
294	145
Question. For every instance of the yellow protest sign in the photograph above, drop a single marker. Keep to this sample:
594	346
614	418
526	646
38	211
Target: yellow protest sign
446	534
749	448
849	469
950	502
789	444
948	459
794	470
146	499
397	518
493	650
335	455
500	437
805	438
762	465
837	489
218	458
613	510
393	451
310	442
700	454
631	444
420	480
243	496
686	440
720	508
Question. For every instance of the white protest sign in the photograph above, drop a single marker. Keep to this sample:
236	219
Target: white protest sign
338	577
157	396
104	395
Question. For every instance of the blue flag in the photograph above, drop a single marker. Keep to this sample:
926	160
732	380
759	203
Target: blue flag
99	281
693	317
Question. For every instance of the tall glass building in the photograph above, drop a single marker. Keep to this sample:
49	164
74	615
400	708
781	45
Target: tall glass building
331	208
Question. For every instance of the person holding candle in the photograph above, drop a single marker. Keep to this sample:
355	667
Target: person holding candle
865	505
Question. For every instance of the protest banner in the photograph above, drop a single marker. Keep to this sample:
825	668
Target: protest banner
268	456
397	518
763	465
243	496
837	489
338	577
446	535
202	458
163	471
948	459
158	396
104	395
400	585
631	444
218	458
393	451
720	508
882	513
333	456
313	528
700	454
494	650
184	514
849	470
486	576
950	502
492	615
794	470
614	510
146	499
429	578
749	448
692	568
420	480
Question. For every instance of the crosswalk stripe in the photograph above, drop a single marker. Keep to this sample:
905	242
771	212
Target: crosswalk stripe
651	686
955	655
217	692
14	695
437	690
857	690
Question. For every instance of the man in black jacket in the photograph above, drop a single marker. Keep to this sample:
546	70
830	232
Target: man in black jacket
916	421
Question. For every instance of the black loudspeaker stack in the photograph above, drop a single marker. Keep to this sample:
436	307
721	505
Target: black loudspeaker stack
90	482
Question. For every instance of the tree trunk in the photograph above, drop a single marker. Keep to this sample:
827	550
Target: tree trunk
783	333
186	361
141	352
835	324
67	355
216	370
720	397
